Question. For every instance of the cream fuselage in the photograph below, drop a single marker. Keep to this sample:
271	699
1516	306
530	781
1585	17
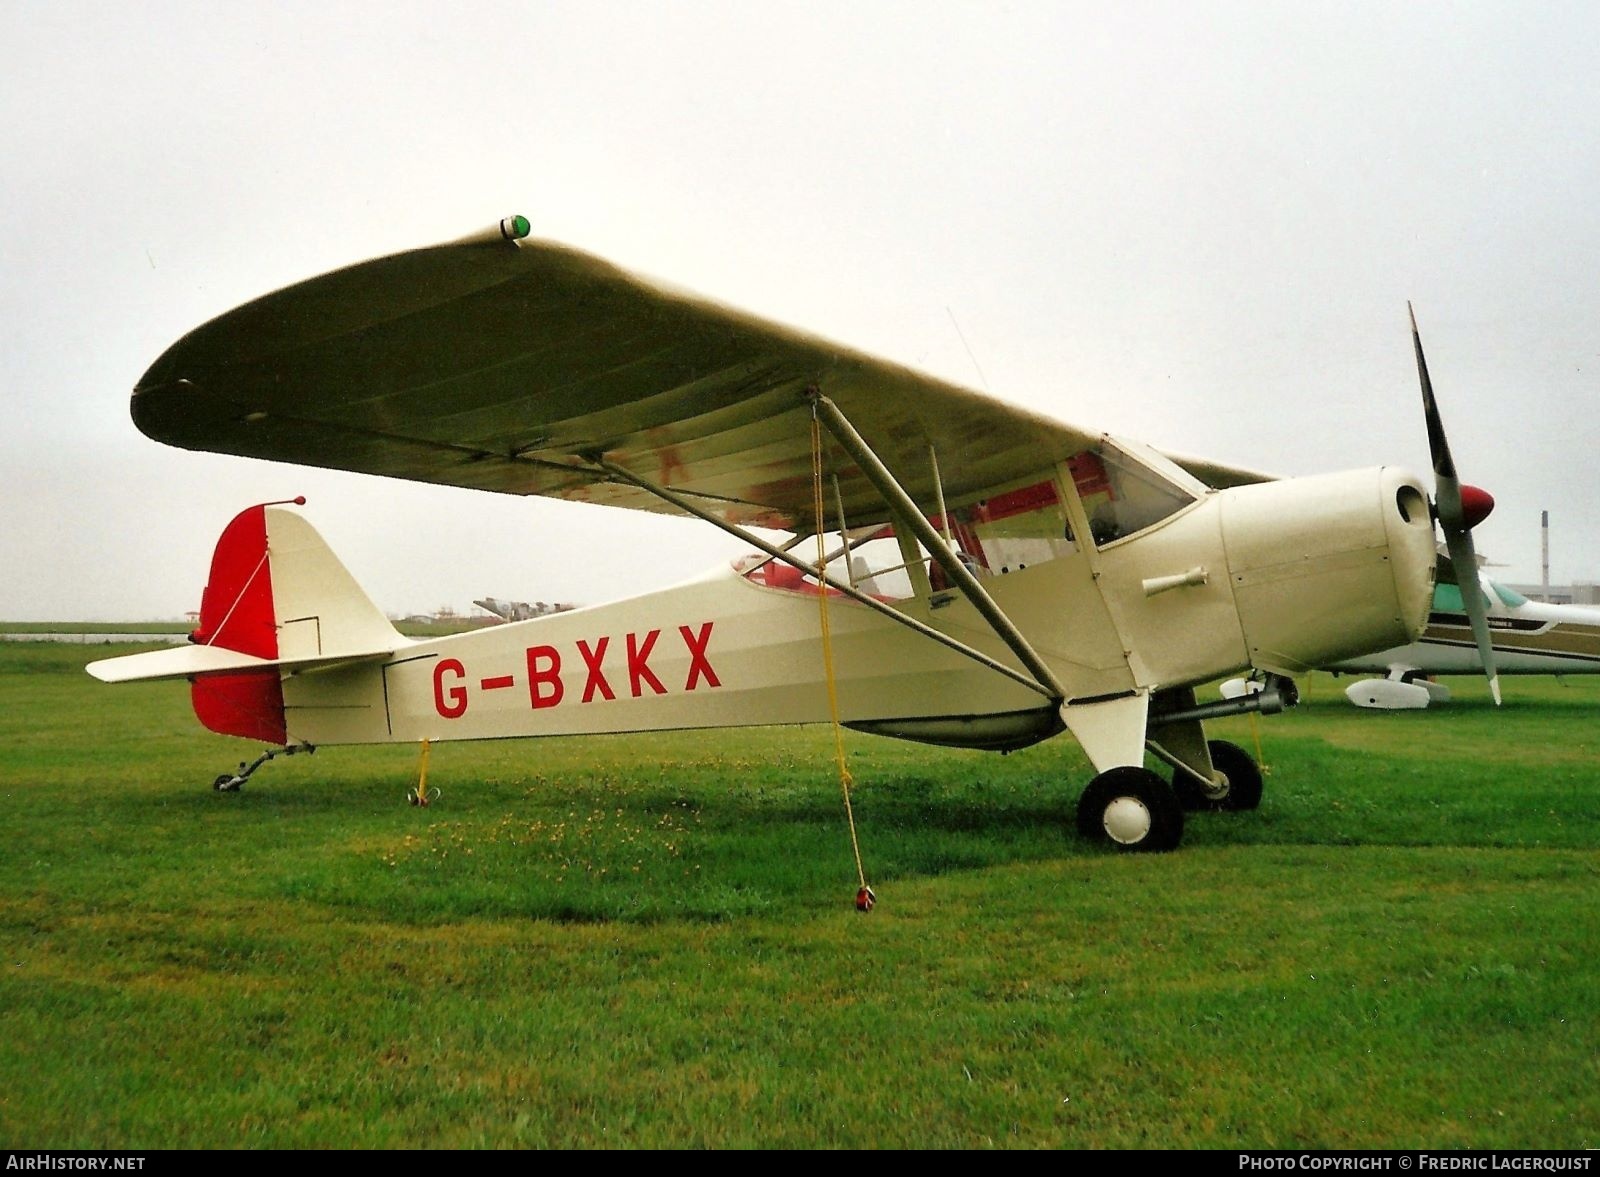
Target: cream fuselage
1280	576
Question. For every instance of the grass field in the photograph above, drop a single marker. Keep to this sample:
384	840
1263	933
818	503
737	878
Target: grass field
650	941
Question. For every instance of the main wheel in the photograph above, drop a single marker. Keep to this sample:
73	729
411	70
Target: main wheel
1132	807
1240	787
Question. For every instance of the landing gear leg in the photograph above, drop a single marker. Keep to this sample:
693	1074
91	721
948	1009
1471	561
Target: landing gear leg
1235	779
232	782
1212	774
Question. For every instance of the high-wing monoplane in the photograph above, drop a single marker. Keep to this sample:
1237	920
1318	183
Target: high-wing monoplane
1528	637
961	571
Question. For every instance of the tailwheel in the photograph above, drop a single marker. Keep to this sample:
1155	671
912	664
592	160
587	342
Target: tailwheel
1133	808
1238	785
232	782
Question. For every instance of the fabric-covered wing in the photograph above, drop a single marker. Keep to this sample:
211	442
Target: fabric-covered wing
1218	474
510	366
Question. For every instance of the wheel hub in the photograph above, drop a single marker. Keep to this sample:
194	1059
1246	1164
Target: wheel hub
1127	820
1218	788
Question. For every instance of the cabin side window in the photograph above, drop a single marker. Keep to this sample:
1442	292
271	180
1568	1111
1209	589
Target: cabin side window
1013	530
1004	533
869	561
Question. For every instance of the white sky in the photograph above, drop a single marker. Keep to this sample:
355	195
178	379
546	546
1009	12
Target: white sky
1197	224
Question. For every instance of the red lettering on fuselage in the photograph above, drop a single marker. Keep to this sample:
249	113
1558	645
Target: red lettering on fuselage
451	704
639	671
546	688
699	665
548	675
597	679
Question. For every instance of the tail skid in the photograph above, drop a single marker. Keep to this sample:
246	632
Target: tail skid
278	602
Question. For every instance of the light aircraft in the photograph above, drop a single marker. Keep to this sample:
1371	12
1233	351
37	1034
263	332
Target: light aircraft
984	577
1529	637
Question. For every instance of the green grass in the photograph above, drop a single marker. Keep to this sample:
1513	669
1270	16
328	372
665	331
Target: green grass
650	941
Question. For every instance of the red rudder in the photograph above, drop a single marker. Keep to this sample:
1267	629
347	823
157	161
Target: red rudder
236	613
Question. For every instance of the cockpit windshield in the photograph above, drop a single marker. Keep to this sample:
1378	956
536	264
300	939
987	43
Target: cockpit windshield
1509	597
1447	598
1121	494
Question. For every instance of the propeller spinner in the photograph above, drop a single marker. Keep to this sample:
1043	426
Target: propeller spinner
1459	509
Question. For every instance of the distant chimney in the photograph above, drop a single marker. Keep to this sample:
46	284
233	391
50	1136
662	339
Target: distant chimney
1544	553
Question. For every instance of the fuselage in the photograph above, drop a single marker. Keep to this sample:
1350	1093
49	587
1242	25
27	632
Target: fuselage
1278	576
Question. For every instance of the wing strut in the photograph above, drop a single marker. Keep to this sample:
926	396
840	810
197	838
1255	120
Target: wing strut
906	509
689	507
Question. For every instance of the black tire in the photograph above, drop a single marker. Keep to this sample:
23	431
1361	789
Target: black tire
1244	781
1132	808
225	783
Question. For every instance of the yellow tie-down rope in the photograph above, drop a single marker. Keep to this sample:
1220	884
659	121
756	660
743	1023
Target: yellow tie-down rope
1255	731
865	898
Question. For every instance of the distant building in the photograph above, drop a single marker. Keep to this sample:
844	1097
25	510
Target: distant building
1584	592
519	610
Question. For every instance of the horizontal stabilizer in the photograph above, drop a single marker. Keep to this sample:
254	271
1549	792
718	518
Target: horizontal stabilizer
196	661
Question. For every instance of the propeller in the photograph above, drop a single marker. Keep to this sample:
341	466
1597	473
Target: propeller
1459	509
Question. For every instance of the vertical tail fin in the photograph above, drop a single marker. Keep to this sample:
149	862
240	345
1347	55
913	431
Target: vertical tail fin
320	610
276	592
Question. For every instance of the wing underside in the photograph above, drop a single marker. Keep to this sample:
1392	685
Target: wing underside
513	367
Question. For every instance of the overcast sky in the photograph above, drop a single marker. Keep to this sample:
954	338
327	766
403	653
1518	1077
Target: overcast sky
1197	224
